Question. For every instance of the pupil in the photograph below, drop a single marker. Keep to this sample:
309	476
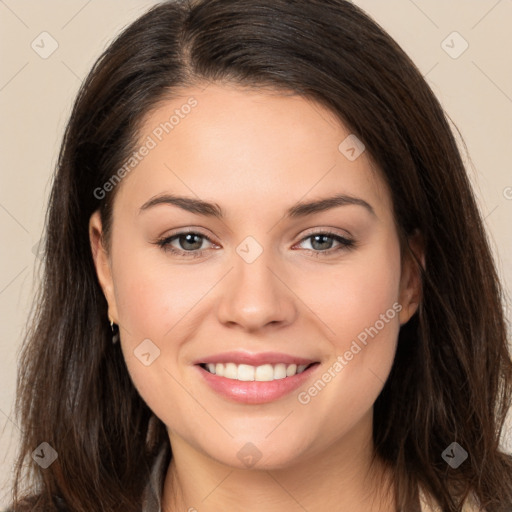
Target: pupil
316	237
188	238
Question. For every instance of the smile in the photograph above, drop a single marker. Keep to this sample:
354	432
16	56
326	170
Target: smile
248	373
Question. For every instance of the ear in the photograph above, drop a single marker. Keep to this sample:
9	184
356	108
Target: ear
102	263
411	291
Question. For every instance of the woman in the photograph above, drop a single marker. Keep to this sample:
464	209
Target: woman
257	368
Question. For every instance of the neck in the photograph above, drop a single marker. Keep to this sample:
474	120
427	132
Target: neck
341	478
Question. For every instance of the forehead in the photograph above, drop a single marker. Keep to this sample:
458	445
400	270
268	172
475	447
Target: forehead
246	146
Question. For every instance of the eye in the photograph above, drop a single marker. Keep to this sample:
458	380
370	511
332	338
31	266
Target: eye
190	241
322	242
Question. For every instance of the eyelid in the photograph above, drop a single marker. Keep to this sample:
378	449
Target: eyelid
185	231
327	230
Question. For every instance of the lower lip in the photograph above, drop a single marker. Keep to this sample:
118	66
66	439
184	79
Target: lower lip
255	392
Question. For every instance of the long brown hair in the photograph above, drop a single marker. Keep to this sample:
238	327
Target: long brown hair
452	376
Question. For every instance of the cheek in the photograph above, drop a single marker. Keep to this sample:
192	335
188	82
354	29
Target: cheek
153	302
156	301
354	296
360	307
152	295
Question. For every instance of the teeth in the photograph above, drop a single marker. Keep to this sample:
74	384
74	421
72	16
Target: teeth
230	371
245	372
292	370
263	373
279	371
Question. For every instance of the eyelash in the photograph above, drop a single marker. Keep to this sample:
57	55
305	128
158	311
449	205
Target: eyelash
345	244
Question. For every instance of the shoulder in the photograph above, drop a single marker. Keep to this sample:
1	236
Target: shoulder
428	504
471	506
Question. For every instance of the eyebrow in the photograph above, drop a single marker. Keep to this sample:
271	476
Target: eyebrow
207	209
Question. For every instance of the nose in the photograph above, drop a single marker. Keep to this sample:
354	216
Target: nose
256	295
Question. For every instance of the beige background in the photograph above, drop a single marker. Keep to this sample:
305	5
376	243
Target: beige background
36	95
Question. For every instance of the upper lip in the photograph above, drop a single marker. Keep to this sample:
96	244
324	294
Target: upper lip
259	359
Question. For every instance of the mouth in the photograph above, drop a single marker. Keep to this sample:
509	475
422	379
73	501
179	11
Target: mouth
268	379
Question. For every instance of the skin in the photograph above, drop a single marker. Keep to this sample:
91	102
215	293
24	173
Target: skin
256	154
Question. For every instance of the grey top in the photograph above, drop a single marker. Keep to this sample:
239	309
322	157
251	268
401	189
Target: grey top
152	501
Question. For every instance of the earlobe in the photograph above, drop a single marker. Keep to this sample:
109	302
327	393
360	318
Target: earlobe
411	289
102	263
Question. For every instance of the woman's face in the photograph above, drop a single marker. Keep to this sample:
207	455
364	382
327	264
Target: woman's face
260	285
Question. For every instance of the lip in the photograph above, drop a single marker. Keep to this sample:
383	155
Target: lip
254	392
239	357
